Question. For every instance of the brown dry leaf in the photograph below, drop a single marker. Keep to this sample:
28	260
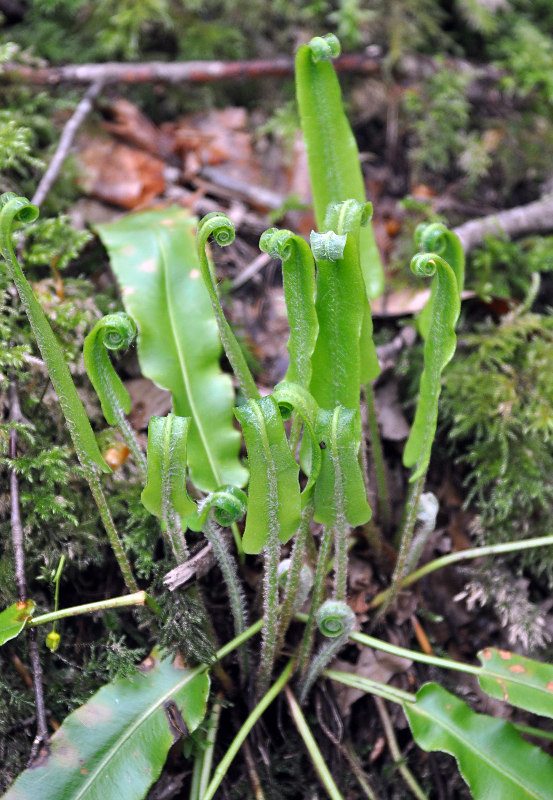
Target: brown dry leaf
121	175
147	399
393	425
130	123
373	664
213	138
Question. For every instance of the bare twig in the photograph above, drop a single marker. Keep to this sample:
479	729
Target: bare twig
536	217
70	129
19	559
410	69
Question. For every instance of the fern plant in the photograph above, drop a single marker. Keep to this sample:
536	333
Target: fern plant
195	481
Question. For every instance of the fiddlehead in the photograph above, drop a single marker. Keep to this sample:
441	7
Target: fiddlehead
13	208
438	351
332	154
229	505
165	493
324	48
335	618
113	332
298	280
221	228
304	582
294	399
327	246
438	239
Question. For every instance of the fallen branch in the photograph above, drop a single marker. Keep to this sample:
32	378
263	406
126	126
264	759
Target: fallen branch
410	68
84	107
536	217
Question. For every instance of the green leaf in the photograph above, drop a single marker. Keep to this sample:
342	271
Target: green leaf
298	279
340	308
274	490
18	208
439	348
14	618
116	744
332	154
112	332
340	488
166	484
438	239
293	398
520	681
493	759
154	258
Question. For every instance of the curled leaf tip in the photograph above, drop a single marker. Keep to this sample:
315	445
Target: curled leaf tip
335	618
229	504
433	236
325	48
425	264
276	243
117	331
347	216
217	225
328	246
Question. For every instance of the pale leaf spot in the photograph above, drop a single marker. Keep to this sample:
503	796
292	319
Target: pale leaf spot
505	654
127	290
517	668
148	266
194	274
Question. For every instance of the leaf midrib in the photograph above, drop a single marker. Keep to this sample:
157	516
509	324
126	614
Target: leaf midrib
516	780
182	363
131	729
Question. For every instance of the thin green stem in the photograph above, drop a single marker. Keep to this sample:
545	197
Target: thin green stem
240	737
196	773
414	655
105	515
297	560
312	747
462	555
131	441
372	687
318	592
238	542
530	731
395	752
210	739
136	599
378	459
404	538
213	535
270	611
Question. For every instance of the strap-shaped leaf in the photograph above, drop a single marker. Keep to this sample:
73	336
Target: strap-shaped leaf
294	399
14	618
116	744
221	228
439	348
298	278
274	490
154	258
112	332
436	238
340	308
340	488
517	680
333	157
493	759
18	208
167	455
